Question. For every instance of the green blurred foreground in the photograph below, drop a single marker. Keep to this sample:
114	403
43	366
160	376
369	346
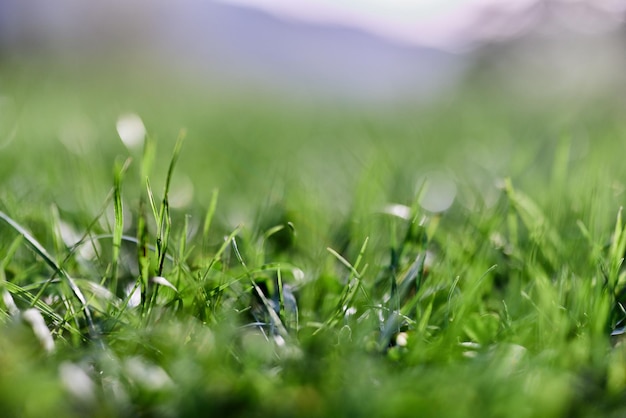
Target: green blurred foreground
281	260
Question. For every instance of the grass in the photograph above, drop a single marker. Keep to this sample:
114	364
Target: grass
289	285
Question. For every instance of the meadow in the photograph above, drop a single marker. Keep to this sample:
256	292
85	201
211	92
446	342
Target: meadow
262	256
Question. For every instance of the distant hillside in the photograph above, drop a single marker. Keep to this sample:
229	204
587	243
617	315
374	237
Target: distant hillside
227	44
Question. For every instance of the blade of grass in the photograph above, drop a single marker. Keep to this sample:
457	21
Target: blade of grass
8	299
152	201
541	231
210	213
220	251
41	251
143	255
276	321
616	251
164	220
182	248
281	298
350	289
118	229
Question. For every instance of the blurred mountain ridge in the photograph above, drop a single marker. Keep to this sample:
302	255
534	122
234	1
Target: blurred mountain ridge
534	46
227	44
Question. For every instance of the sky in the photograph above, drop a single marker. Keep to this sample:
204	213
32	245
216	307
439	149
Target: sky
437	23
426	22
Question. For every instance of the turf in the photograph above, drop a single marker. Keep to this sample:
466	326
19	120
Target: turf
263	257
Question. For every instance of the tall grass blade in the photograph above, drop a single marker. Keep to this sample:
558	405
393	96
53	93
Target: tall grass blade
164	221
208	219
118	229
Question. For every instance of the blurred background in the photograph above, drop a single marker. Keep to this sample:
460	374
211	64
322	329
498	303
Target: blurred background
298	110
360	50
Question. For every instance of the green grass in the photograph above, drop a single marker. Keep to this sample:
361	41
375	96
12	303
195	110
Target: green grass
284	286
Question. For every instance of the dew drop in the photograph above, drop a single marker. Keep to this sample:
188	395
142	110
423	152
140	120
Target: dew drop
440	191
131	130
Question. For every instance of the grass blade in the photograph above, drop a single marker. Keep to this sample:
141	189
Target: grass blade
118	229
164	221
276	321
41	251
208	219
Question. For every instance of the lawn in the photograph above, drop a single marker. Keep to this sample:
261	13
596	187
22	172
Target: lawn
257	256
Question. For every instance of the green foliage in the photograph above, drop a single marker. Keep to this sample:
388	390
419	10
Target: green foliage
318	284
